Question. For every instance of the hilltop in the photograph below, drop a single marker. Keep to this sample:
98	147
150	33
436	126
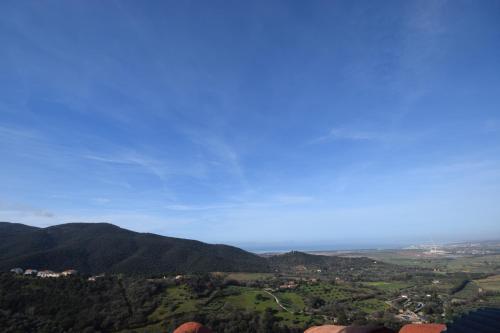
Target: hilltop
296	262
103	247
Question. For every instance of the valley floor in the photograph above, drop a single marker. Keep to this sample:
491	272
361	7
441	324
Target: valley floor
300	295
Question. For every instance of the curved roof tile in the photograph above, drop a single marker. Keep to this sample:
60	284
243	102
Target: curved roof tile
423	328
192	327
325	329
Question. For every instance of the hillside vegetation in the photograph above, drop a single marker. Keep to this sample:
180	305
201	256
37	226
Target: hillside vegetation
356	269
101	247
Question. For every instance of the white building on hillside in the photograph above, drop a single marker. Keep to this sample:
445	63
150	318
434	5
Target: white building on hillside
17	270
69	272
48	274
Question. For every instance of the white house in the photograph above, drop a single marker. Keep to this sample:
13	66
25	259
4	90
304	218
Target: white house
69	272
17	270
30	272
48	274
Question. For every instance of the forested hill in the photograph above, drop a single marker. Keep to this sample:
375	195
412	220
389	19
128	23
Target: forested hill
354	268
103	247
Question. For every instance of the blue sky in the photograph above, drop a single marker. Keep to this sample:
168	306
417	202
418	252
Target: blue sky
292	124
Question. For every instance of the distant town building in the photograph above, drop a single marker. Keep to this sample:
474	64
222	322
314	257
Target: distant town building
95	277
17	270
48	274
69	272
30	272
289	285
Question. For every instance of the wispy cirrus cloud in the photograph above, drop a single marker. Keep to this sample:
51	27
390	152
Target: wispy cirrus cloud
186	208
340	133
150	165
472	168
219	153
374	133
20	209
16	134
272	201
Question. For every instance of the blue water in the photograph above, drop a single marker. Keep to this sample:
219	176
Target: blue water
280	248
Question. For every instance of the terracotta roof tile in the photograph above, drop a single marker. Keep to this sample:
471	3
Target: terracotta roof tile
423	328
192	327
345	329
325	329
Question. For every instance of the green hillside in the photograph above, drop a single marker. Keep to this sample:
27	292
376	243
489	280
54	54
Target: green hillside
102	247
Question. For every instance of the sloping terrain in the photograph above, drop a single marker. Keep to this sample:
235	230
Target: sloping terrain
102	247
296	262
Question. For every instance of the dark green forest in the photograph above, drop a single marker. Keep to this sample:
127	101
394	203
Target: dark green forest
101	247
110	304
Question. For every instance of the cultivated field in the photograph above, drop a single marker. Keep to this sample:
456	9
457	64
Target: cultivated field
491	283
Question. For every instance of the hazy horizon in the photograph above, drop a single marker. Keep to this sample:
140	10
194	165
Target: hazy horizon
319	244
254	122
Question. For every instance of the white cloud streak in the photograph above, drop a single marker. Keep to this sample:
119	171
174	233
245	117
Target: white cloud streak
150	165
350	135
8	209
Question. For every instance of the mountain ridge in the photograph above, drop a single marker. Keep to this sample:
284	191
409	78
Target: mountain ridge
104	247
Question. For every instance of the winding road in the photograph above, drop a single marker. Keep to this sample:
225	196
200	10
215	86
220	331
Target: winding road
278	301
